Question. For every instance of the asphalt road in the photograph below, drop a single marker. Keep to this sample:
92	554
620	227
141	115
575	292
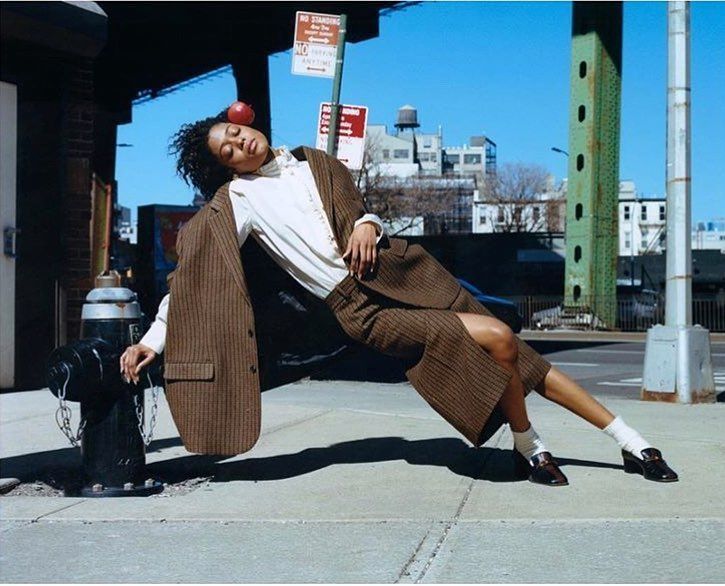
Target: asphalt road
613	369
604	368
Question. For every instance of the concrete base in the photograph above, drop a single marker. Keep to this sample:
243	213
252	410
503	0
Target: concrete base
678	365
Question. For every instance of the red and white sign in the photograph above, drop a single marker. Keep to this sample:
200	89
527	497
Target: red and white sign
351	129
315	44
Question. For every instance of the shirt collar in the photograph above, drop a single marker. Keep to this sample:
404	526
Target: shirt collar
283	159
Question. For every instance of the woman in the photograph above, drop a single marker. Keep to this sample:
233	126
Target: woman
466	363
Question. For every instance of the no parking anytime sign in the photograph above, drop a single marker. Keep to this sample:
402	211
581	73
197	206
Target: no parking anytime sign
350	133
315	44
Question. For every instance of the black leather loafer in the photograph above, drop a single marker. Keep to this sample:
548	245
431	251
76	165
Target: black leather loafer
542	469
652	466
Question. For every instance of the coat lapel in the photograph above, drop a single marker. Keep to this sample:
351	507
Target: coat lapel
221	222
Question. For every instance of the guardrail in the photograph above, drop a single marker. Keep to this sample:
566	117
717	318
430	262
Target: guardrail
634	313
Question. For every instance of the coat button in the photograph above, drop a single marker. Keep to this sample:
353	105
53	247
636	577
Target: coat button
253	368
251	333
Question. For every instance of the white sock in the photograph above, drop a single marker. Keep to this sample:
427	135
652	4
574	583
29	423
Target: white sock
528	443
627	438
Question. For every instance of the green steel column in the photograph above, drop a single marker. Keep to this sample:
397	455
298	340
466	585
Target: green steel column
593	182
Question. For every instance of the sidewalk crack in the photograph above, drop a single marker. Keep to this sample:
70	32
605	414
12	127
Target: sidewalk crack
57	511
454	520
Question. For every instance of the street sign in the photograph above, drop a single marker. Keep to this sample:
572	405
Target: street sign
350	132
315	44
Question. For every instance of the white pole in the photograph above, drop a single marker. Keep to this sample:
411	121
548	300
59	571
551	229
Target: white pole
678	309
678	360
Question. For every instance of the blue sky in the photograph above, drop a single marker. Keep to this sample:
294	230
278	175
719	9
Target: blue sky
494	68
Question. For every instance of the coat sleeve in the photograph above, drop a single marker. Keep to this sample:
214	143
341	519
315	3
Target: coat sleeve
155	337
351	192
354	198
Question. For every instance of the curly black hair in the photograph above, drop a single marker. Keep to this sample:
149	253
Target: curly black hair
195	163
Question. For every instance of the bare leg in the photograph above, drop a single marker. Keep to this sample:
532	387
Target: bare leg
561	389
499	341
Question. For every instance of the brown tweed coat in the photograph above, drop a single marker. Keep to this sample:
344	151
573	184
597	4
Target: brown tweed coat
211	357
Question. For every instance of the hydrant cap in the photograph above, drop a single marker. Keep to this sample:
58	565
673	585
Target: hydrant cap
111	295
111	303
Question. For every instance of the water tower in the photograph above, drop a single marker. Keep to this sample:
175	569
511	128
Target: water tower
407	119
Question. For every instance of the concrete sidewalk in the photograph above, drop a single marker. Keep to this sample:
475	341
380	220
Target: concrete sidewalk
362	482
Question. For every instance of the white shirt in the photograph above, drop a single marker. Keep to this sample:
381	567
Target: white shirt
282	209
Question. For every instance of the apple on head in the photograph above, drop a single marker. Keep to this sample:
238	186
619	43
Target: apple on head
240	113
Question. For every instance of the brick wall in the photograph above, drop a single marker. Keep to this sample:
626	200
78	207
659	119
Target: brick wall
78	115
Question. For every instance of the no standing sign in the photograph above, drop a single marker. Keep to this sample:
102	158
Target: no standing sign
350	133
315	44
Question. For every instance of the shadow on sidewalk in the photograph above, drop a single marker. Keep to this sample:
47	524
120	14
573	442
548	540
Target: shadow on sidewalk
60	468
492	464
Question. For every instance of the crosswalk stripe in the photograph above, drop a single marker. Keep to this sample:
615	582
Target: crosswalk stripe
608	384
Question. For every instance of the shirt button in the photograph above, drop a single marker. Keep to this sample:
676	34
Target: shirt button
251	333
252	369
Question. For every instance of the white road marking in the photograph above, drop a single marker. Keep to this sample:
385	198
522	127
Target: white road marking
714	354
574	364
608	384
719	378
610	351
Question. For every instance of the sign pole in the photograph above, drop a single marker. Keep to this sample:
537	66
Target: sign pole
336	85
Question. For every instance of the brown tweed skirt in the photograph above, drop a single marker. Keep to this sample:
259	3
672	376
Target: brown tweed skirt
444	364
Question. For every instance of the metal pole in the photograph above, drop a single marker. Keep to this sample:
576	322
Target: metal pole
678	360
678	308
336	85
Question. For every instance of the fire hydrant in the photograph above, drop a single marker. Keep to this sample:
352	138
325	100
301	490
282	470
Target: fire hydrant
111	433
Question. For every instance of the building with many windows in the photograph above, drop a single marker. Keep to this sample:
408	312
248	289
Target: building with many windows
545	213
641	222
421	160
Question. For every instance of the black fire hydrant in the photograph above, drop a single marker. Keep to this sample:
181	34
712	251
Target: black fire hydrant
111	433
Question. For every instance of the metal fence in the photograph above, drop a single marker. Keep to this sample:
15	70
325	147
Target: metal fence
635	313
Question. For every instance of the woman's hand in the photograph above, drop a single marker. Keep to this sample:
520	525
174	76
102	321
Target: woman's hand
134	359
361	251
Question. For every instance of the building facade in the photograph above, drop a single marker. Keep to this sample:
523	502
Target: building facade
46	203
418	161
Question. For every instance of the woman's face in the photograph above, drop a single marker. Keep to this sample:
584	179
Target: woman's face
241	148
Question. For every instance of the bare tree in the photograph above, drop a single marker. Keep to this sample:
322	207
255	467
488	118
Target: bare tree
515	192
402	203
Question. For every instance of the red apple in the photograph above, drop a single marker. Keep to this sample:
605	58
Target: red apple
240	113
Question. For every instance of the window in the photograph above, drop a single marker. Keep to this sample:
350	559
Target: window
626	212
433	157
536	215
400	154
386	153
452	159
427	143
424	156
643	212
471	159
482	219
663	215
501	218
627	242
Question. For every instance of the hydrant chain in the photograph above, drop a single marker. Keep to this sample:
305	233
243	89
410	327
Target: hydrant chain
154	409
63	413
